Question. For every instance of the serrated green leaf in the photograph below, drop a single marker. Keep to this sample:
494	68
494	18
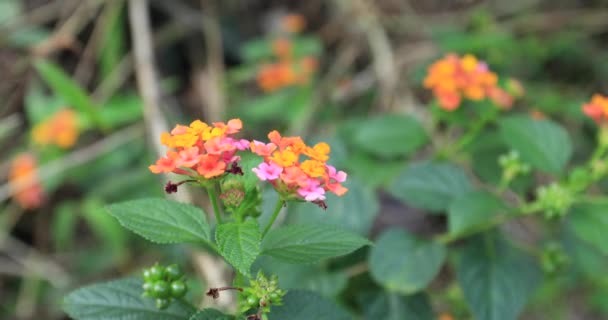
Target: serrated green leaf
239	243
589	221
162	221
542	143
211	314
310	243
306	305
305	277
431	185
120	300
473	209
355	211
390	136
403	263
68	89
497	280
391	306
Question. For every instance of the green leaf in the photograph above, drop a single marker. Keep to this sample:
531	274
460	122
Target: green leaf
239	243
391	306
306	305
355	211
589	221
68	89
120	300
390	136
472	210
542	143
405	264
211	314
431	185
310	243
300	276
162	221
497	280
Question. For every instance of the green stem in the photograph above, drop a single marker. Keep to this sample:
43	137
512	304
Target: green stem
216	208
275	214
468	137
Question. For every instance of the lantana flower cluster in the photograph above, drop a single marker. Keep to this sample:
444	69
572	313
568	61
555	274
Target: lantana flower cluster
201	150
24	183
597	109
297	170
455	78
61	129
288	70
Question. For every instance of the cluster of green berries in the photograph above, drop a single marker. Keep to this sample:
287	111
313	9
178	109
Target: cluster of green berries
553	258
512	166
555	200
261	294
164	284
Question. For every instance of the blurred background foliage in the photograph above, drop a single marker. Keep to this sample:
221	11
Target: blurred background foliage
336	71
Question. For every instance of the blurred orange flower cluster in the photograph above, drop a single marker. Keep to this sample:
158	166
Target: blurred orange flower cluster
200	149
25	186
288	70
285	73
293	23
308	179
597	109
454	78
60	129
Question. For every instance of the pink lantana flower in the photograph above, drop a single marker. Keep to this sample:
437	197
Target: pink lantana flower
268	171
312	192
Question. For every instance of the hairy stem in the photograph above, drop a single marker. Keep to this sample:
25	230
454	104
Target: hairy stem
214	202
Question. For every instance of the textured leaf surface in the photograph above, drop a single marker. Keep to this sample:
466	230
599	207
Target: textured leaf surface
390	306
239	243
589	221
390	135
211	314
162	221
306	305
497	280
542	143
405	264
431	185
355	211
310	243
472	210
120	300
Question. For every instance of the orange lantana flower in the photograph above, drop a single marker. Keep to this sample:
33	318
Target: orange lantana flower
454	78
25	186
60	129
597	109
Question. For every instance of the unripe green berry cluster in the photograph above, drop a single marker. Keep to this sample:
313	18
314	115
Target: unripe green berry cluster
553	258
261	294
512	165
555	200
164	284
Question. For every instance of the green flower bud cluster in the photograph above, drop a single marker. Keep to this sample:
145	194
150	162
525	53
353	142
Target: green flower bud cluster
553	258
164	284
261	294
555	200
512	166
239	199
